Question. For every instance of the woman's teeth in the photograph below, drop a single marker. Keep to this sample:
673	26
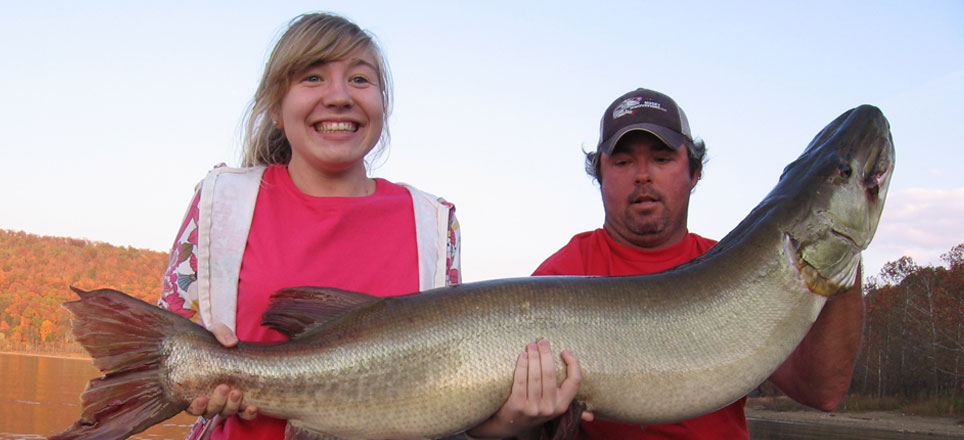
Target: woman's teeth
332	127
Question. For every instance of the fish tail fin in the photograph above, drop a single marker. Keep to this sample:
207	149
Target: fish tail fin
125	337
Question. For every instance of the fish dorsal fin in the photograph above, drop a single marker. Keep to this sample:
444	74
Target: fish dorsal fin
295	310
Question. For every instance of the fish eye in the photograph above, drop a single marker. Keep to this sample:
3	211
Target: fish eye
844	169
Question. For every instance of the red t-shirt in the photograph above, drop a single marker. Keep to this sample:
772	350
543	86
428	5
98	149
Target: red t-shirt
363	244
595	253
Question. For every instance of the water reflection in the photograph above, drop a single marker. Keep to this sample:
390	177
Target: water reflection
40	396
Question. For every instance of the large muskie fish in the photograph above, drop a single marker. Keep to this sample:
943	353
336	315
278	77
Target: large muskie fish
653	348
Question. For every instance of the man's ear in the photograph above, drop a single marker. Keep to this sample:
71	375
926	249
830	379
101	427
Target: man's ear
695	179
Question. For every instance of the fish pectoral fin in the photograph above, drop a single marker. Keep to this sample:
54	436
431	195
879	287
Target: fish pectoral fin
294	432
295	310
566	426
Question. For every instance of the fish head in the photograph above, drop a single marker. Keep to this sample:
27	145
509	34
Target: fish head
836	191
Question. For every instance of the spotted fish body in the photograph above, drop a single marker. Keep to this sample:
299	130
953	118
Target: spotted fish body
652	349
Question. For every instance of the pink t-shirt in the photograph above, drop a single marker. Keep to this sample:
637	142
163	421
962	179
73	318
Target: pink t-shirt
363	244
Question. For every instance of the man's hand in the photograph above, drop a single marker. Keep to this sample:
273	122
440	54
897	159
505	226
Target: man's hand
224	400
535	398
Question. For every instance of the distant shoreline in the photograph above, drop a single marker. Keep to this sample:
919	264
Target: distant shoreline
58	355
883	420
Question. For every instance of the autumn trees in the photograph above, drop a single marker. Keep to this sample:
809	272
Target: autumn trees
913	343
35	275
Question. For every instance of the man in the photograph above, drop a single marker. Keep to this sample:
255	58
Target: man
647	164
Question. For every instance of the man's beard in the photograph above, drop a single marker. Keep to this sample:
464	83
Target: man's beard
647	226
650	224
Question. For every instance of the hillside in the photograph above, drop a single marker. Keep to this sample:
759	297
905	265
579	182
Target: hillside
35	275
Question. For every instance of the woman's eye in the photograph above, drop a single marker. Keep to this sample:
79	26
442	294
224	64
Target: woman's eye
312	78
360	80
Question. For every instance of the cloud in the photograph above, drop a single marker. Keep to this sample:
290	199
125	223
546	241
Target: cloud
919	223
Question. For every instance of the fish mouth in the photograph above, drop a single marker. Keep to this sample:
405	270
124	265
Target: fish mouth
848	238
828	266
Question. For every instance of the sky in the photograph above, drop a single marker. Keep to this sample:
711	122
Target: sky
113	110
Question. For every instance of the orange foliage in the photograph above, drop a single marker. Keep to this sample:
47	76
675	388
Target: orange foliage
46	328
37	271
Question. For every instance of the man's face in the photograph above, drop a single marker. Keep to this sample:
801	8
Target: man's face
646	191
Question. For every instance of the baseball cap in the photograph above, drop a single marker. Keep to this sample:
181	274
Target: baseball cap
644	110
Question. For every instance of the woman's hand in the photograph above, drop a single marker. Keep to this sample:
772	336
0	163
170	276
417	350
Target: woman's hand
224	400
535	398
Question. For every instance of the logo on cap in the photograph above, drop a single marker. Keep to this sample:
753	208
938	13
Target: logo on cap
629	106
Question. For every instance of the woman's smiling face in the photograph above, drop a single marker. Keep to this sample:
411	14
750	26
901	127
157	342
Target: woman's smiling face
332	114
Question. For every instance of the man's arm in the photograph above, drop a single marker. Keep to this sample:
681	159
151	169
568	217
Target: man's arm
818	372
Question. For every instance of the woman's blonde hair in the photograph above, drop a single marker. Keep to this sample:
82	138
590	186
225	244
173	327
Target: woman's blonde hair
310	38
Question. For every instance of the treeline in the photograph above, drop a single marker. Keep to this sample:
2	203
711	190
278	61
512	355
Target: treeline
913	340
35	275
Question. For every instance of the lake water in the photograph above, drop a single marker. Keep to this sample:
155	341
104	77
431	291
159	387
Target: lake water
39	396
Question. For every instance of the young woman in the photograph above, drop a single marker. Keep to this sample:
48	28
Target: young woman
303	210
